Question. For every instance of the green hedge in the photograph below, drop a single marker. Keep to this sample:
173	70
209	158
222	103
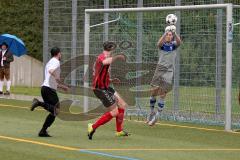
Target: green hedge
24	18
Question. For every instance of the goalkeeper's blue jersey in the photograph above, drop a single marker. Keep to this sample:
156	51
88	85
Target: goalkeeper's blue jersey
168	47
167	55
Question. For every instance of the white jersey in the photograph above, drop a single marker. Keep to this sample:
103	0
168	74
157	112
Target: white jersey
49	81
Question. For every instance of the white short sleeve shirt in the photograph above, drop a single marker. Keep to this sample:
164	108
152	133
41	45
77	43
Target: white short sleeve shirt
49	81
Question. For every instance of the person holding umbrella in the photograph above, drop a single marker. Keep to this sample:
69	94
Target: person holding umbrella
6	57
10	45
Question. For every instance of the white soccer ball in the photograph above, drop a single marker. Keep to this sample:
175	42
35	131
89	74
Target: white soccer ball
171	19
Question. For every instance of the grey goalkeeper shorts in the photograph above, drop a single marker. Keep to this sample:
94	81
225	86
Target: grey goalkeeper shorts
162	78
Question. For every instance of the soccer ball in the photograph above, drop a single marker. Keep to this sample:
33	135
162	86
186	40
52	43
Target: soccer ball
171	19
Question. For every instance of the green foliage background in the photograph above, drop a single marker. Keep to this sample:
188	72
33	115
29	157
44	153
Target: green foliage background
24	18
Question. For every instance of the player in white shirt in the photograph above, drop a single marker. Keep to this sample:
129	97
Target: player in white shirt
49	91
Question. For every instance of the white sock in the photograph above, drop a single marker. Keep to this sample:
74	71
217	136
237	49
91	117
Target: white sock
8	85
1	86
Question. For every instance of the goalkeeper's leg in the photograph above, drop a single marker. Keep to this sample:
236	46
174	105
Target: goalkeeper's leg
152	105
161	104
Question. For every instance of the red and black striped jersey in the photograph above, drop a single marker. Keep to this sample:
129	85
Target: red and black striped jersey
101	76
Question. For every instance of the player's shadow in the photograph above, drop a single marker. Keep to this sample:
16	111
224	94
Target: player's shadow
127	88
66	114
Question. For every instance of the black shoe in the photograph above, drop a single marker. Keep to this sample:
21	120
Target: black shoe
35	103
1	92
43	133
90	135
7	93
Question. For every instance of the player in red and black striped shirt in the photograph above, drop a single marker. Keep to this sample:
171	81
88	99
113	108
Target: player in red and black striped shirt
109	97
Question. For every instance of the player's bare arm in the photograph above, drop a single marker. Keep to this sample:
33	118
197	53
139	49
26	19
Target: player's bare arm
59	82
161	41
178	39
115	80
112	59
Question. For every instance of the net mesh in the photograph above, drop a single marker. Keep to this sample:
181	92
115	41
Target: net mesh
200	92
195	97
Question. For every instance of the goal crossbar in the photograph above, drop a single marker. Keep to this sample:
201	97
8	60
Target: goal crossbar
169	8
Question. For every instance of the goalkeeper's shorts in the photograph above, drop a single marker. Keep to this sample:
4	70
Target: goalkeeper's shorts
163	79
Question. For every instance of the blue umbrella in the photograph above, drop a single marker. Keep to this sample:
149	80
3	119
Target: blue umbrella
15	44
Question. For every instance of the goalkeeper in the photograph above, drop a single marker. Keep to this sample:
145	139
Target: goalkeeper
162	79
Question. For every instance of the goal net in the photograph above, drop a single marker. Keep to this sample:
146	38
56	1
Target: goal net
205	76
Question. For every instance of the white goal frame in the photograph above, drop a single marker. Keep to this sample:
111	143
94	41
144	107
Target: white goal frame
229	38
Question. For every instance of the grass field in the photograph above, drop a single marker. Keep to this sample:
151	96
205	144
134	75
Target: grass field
190	98
165	141
33	91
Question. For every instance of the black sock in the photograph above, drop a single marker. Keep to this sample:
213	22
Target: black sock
48	122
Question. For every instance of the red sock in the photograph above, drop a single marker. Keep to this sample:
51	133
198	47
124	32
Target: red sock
102	120
119	119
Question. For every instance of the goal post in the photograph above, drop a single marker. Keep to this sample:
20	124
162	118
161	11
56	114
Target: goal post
229	40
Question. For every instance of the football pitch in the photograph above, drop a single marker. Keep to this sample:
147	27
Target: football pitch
164	141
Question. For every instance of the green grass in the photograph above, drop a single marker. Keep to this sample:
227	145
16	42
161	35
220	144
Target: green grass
192	101
191	98
32	91
23	124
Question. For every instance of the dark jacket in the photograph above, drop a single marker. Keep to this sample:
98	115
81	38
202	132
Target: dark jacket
9	59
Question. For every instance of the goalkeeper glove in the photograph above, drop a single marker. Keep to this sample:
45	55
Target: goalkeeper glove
171	28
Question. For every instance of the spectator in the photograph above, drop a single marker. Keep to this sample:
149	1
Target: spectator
6	57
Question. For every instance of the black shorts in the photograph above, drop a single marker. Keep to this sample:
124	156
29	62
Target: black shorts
106	96
49	96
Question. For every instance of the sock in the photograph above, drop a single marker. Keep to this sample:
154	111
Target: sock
152	103
160	105
1	86
106	117
48	122
119	119
8	85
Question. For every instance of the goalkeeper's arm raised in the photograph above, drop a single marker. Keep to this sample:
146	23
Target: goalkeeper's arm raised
162	38
172	29
112	59
161	41
178	39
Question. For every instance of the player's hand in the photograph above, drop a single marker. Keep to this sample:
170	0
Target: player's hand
172	29
65	88
122	56
167	29
4	58
115	80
